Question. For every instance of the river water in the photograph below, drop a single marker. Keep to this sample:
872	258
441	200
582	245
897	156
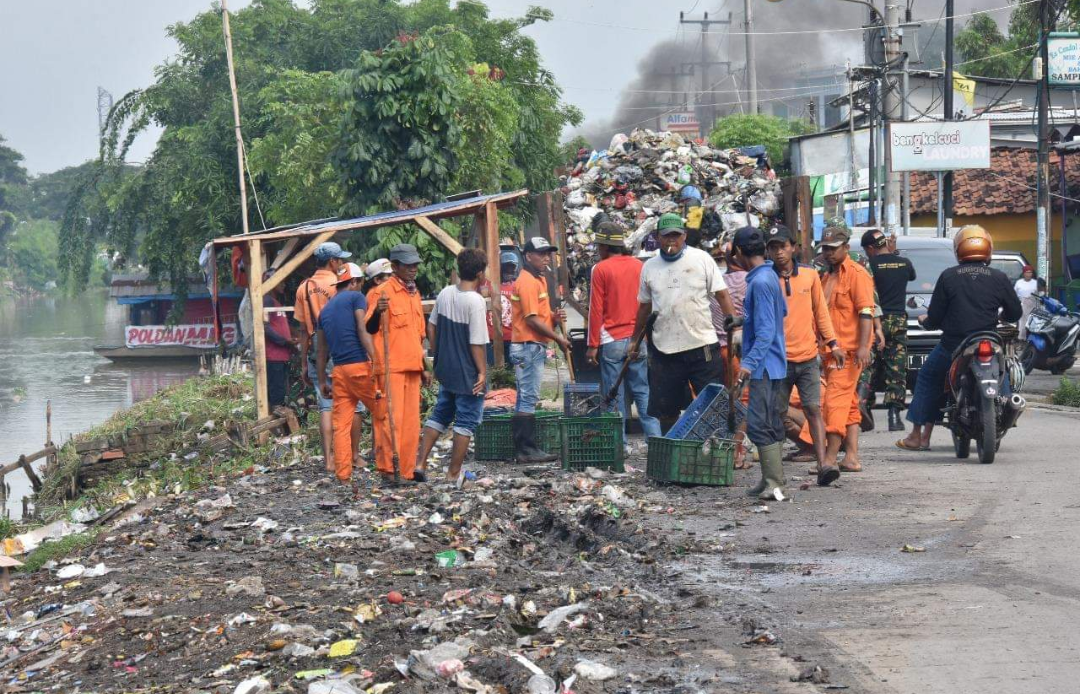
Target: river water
46	353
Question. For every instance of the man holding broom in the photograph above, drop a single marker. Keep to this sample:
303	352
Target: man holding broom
396	317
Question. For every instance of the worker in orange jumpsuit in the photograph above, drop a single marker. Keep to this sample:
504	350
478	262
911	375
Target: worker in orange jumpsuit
849	292
395	306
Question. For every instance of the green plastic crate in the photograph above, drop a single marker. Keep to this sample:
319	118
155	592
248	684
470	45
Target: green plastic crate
494	438
593	442
682	461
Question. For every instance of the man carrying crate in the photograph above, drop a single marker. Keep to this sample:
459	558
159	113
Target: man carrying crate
764	360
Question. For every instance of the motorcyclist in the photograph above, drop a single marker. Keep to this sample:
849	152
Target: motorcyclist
966	300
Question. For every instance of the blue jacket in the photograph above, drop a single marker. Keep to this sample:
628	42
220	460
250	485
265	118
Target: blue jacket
764	309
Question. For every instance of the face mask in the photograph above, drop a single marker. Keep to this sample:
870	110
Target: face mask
672	257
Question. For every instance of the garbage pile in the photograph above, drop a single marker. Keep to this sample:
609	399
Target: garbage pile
646	174
511	580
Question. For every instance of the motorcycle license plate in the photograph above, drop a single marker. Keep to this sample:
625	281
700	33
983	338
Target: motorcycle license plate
915	361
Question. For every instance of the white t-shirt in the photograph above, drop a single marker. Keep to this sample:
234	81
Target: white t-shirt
1025	288
680	292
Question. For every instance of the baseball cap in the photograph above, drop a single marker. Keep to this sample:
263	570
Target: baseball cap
610	234
779	232
349	272
329	250
669	223
508	258
378	267
538	244
748	237
405	253
873	239
835	236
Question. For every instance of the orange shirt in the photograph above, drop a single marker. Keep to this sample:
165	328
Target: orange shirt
530	298
408	329
807	314
850	293
312	295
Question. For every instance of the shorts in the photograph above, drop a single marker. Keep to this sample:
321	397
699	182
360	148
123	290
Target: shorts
806	377
672	376
465	411
327	404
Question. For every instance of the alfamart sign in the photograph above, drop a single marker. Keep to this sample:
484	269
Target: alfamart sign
939	145
201	336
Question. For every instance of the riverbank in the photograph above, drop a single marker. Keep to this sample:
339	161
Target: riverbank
258	566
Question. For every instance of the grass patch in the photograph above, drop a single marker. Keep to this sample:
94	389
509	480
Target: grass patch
57	550
1067	393
8	528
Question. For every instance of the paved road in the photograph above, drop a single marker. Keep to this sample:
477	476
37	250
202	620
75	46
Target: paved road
1039	384
992	605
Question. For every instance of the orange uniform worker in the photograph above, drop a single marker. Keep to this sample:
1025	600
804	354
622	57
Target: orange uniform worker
849	292
342	335
399	299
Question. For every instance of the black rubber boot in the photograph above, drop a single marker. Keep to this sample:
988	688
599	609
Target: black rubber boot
896	422
865	400
524	428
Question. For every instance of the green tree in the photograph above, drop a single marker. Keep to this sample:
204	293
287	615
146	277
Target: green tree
31	254
50	193
987	52
291	65
758	129
13	178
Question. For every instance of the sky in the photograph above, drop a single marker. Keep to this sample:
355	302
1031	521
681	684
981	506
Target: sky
55	53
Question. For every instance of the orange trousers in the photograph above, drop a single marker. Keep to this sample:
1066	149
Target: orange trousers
839	404
405	391
352	384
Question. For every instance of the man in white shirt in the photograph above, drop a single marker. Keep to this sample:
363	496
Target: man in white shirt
684	352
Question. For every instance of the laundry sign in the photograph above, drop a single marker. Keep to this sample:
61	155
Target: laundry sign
939	145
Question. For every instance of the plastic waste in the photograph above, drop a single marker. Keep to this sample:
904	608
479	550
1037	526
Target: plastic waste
597	672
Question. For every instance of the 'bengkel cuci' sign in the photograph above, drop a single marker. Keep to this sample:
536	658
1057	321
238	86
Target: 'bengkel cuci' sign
939	146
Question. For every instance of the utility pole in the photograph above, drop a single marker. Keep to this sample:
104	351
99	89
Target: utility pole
751	62
707	110
236	119
946	201
892	113
1042	249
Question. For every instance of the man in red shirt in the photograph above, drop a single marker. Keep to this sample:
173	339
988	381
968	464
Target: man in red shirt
613	307
508	272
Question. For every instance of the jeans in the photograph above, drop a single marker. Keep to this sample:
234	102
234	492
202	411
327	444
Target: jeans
636	382
764	418
464	410
925	407
528	360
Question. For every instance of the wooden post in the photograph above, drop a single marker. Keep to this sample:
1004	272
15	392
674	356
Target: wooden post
35	481
296	261
806	217
48	423
258	333
491	246
434	231
236	115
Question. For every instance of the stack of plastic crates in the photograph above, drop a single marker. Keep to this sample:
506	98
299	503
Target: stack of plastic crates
595	441
494	439
699	448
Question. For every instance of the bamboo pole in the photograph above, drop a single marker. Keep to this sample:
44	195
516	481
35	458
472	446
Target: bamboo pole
236	115
491	246
258	334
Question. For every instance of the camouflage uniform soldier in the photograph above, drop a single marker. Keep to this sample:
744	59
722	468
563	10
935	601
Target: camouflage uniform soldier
891	273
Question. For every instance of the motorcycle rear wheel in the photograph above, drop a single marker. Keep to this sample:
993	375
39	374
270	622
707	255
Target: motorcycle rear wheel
987	441
962	445
1027	357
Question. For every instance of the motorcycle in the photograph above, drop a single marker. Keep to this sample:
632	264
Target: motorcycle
980	401
1052	333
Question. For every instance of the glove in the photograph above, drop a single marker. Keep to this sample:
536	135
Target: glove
736	343
732	322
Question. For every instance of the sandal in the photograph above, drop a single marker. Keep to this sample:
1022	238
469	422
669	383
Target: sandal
828	475
847	468
903	445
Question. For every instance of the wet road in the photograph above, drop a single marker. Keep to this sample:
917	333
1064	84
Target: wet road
993	602
46	353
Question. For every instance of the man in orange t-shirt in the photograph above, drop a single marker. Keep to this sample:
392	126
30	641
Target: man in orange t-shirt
849	291
532	328
395	305
806	325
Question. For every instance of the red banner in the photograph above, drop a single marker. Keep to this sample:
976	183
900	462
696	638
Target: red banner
201	336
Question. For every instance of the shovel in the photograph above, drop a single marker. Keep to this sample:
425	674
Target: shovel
567	352
389	395
645	330
732	385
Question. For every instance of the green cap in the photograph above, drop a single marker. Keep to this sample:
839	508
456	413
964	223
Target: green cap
670	222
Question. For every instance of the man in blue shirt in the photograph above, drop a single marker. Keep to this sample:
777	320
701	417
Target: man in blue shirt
343	336
764	360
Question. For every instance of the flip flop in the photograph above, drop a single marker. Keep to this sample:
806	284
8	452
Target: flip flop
902	444
828	475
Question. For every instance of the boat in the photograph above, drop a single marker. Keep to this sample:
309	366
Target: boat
148	333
